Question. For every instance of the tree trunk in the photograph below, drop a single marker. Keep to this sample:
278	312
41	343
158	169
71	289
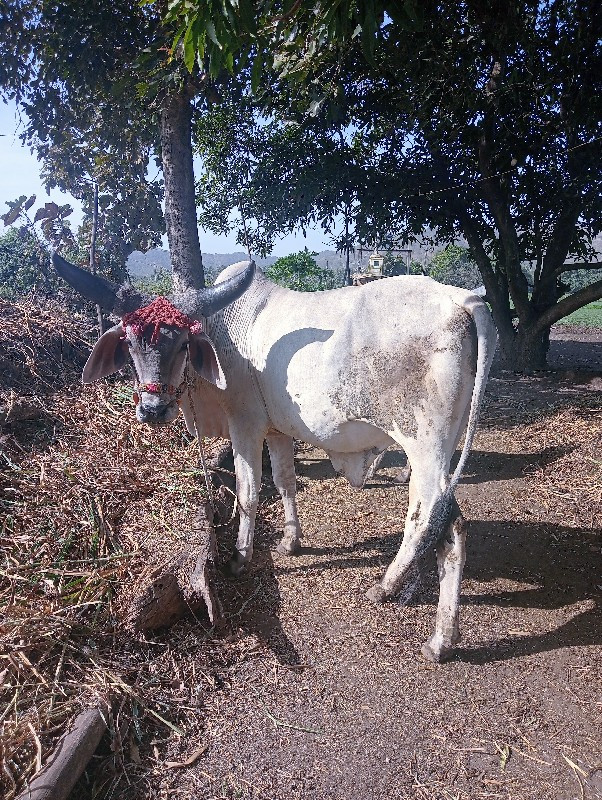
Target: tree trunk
180	206
524	350
101	323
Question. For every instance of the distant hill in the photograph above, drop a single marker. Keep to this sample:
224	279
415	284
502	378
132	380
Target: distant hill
143	265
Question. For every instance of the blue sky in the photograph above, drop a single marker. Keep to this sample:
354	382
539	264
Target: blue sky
20	174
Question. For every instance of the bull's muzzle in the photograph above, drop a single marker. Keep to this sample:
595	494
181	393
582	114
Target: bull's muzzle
156	409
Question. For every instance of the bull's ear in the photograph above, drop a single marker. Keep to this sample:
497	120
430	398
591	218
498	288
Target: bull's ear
108	355
204	359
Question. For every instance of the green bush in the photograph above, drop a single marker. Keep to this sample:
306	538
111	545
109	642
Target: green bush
160	283
301	272
24	265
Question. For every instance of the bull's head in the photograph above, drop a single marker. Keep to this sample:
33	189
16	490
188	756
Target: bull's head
160	337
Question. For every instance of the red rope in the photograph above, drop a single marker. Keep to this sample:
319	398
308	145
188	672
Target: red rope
159	312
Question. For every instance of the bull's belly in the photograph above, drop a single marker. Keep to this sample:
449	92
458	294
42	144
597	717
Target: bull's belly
333	433
351	445
353	436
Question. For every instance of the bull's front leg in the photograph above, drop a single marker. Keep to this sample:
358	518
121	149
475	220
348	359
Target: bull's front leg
282	458
247	451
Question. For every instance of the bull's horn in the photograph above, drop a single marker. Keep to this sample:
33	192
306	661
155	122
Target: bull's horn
110	296
210	300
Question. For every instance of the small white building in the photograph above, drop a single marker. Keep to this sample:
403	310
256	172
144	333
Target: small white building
376	264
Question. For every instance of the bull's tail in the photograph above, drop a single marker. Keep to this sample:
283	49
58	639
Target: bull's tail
486	344
445	509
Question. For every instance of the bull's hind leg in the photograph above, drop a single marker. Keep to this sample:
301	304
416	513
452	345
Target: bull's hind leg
451	555
281	449
426	500
428	519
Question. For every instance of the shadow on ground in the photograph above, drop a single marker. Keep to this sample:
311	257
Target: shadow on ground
552	565
251	602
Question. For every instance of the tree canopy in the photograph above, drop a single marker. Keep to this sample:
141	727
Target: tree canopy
74	71
472	120
23	265
475	121
300	271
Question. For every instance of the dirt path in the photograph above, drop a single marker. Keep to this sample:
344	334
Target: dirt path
329	696
317	695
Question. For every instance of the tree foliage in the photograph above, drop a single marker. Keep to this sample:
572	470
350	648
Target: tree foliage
475	121
455	266
160	283
33	234
23	265
266	178
216	35
75	71
300	271
485	124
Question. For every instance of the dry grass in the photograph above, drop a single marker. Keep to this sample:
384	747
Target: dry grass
91	502
575	477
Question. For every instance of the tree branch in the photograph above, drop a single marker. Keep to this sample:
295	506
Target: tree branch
500	209
580	265
569	304
568	268
499	298
517	283
560	241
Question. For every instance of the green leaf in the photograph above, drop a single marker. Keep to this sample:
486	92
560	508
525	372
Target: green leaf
189	46
210	28
256	71
200	45
246	16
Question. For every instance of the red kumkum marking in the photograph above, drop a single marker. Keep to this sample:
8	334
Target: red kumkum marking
159	312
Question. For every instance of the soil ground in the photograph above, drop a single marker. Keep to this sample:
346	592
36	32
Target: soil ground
329	697
316	694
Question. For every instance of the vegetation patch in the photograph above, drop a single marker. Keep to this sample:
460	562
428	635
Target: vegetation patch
589	316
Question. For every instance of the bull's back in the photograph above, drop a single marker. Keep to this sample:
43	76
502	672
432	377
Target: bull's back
341	367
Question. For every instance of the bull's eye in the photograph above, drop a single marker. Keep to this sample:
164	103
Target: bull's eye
184	346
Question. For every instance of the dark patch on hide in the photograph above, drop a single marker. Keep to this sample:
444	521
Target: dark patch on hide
381	386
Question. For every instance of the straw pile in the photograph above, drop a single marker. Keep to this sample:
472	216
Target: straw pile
91	503
569	481
84	490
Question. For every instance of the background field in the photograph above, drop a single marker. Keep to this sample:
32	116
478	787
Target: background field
589	316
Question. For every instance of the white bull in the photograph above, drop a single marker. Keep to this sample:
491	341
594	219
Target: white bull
354	370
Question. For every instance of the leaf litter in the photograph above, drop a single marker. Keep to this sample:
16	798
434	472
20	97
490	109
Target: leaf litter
92	502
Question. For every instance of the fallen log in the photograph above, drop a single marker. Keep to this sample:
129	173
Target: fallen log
70	758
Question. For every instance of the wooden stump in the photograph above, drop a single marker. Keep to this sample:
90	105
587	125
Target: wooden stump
187	583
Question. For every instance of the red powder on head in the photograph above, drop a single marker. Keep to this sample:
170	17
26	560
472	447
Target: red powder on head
159	312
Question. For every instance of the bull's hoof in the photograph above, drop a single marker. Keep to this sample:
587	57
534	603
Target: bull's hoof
437	654
235	566
376	594
288	547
